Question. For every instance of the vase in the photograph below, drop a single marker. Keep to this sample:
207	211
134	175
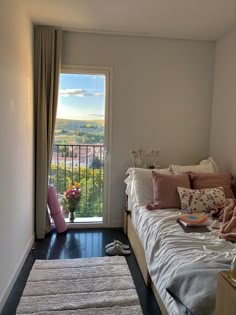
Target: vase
72	215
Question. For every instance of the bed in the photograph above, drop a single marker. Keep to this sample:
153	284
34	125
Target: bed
163	250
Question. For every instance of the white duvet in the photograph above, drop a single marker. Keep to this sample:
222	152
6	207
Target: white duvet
167	247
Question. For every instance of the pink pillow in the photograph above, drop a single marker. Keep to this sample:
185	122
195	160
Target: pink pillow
201	181
165	189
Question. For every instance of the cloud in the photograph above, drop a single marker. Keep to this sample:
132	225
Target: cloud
81	75
79	92
97	115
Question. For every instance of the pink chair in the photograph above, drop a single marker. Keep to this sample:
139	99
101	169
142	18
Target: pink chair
55	210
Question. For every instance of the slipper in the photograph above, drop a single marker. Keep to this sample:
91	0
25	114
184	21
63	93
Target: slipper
117	250
117	242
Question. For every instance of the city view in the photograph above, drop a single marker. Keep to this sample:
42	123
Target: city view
73	134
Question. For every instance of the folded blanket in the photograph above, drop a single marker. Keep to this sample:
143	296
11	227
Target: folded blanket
228	229
194	287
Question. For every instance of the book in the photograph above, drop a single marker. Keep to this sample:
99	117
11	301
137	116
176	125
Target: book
204	223
193	219
193	229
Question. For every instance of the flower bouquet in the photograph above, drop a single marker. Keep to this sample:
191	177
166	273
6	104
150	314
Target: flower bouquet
71	198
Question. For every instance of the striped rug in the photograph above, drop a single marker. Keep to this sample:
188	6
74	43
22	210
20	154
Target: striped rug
84	286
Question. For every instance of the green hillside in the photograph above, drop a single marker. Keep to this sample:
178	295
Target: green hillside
68	124
79	131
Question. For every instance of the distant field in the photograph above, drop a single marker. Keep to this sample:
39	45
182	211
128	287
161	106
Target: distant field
79	131
68	124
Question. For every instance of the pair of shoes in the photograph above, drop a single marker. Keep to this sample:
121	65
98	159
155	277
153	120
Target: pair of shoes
117	242
117	249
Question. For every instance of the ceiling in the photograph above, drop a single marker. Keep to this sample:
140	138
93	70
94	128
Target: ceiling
185	19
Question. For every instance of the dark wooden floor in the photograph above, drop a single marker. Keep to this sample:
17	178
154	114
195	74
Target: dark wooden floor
79	244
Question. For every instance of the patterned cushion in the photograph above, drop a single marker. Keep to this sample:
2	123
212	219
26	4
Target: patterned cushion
201	200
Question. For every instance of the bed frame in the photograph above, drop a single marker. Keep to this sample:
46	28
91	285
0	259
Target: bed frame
139	253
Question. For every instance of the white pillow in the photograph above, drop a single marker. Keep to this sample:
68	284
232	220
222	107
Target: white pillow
205	166
211	161
129	191
139	184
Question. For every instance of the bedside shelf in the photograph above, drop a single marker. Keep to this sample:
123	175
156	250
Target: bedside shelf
225	294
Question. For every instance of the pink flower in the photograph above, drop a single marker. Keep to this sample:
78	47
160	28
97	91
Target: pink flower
72	195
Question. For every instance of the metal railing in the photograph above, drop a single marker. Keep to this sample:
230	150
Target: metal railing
84	164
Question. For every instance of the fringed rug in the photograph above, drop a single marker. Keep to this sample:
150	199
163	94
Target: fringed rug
84	286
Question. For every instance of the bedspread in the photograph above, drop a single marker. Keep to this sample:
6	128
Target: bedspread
167	247
195	286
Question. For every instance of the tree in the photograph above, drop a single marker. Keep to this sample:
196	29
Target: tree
91	180
96	163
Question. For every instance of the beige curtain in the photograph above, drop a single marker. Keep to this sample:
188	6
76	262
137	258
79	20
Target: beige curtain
47	60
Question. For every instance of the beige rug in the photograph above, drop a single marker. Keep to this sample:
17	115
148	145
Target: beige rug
84	286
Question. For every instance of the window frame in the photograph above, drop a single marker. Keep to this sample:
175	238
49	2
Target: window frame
107	71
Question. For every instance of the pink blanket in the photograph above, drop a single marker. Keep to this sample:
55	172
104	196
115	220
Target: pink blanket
228	229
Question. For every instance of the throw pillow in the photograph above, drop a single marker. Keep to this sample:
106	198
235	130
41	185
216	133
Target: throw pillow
200	181
201	200
139	185
165	189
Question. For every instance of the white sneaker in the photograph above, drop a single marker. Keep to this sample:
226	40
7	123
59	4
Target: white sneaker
117	242
116	249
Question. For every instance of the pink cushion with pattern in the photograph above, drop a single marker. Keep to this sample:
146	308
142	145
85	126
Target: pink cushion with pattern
165	189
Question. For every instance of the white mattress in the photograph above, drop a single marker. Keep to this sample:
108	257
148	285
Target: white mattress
167	247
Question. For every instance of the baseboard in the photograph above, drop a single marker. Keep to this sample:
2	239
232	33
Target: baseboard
12	281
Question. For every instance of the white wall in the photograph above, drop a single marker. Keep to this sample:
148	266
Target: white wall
16	141
223	126
162	95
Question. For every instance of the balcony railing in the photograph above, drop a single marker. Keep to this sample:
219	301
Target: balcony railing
84	164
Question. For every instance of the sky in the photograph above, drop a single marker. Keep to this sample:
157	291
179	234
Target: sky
81	96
